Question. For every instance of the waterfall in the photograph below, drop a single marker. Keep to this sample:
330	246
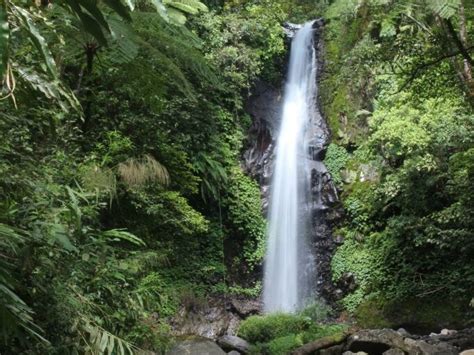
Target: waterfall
288	259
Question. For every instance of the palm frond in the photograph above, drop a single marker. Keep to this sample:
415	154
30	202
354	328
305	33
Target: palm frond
16	317
122	235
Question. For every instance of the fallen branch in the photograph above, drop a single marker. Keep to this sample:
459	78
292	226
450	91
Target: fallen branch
321	343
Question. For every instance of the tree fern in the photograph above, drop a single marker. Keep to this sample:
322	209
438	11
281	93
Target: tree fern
177	43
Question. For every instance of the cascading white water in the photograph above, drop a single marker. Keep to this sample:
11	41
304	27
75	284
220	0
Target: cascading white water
284	282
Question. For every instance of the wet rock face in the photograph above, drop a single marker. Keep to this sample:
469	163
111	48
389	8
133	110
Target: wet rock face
217	318
265	107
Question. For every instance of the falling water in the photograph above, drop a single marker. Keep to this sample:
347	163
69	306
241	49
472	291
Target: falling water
285	284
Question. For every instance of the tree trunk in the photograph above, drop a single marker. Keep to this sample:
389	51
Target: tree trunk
465	42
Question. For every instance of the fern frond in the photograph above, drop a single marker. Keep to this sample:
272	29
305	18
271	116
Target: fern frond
444	8
99	341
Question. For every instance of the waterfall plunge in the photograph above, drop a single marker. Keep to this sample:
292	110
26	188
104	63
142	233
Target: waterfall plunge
287	259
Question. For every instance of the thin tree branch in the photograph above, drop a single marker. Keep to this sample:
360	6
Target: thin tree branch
462	50
425	65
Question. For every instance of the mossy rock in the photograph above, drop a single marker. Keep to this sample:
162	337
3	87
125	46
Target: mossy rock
416	315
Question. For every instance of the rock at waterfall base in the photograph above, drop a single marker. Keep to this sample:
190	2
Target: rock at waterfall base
196	346
391	342
230	342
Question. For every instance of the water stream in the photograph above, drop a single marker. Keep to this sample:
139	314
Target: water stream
288	261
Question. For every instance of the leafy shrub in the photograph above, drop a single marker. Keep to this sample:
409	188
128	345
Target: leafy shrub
317	311
244	214
335	160
284	344
278	346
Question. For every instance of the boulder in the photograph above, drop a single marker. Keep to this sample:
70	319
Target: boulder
246	307
230	342
375	341
196	346
461	339
403	332
394	352
234	324
333	350
233	352
448	332
423	348
467	352
380	341
211	319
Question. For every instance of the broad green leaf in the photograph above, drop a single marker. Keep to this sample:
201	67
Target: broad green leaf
120	234
176	16
130	4
104	342
89	23
60	235
119	8
161	9
91	7
187	6
110	347
4	38
37	39
52	89
182	7
121	351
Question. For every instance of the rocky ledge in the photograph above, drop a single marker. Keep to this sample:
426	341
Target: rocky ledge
363	342
213	318
391	342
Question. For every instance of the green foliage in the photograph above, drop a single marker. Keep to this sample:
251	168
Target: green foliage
318	311
280	333
242	44
16	315
254	291
261	329
281	346
335	160
115	235
245	217
393	105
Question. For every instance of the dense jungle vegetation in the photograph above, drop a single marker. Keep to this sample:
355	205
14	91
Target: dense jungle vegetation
122	194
